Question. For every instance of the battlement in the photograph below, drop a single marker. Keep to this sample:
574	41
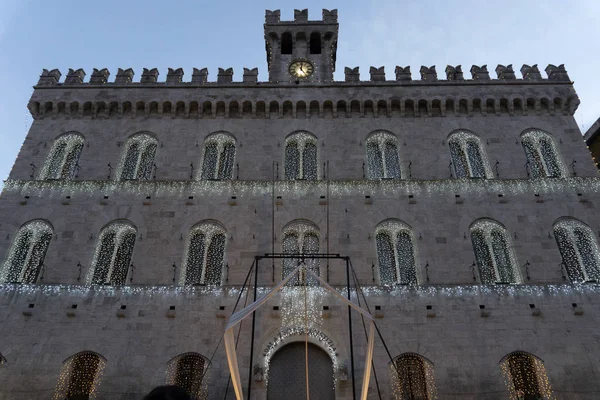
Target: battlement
301	17
225	76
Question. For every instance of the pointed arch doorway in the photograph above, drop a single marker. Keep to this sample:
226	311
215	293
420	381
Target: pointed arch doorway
287	373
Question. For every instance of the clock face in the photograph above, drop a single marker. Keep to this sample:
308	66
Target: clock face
301	68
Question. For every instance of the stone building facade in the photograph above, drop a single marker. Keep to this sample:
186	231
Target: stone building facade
465	206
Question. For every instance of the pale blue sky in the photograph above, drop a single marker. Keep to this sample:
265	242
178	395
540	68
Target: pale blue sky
37	34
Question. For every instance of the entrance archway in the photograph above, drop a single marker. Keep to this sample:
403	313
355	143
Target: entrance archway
287	373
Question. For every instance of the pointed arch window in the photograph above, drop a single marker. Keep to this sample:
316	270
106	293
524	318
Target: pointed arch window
205	255
62	161
412	378
189	371
138	157
525	376
111	261
219	157
492	247
395	253
301	156
300	237
383	161
543	160
26	255
80	376
579	250
468	157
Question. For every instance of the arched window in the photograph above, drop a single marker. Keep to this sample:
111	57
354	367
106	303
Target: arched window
300	237
80	376
63	158
525	376
110	265
219	156
138	157
542	155
286	43
468	157
412	378
205	255
382	156
579	250
395	253
495	259
188	371
301	156
26	255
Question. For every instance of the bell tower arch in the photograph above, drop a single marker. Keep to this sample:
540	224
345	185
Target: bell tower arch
301	50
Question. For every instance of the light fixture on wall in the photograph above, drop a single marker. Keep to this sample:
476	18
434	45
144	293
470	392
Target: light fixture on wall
3	359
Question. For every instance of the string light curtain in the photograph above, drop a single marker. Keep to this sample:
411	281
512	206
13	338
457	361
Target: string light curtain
219	157
189	371
113	254
301	156
138	157
26	255
80	377
383	161
493	253
542	155
468	157
579	250
395	253
63	157
205	255
301	237
525	377
412	378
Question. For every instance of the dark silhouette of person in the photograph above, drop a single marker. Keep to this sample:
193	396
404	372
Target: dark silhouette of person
168	392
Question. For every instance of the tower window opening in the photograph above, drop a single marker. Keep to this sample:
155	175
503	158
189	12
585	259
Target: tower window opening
315	43
286	43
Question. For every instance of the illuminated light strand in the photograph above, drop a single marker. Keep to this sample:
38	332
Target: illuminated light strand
208	189
26	255
468	157
301	157
80	376
395	253
300	237
110	264
299	331
495	260
218	157
63	157
579	250
412	377
190	371
137	159
542	155
383	161
204	256
525	376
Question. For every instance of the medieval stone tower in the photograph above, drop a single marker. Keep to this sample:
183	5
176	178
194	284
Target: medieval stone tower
456	212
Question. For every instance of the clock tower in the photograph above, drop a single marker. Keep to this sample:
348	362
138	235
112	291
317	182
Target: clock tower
301	50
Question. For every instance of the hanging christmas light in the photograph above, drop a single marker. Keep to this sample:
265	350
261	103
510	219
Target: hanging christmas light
204	257
383	161
525	376
63	157
80	376
190	372
26	255
395	253
301	156
412	378
468	157
496	261
542	155
219	157
137	159
579	250
111	260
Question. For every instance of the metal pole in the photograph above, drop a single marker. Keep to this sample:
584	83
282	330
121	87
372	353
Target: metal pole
350	328
253	329
328	200
273	221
